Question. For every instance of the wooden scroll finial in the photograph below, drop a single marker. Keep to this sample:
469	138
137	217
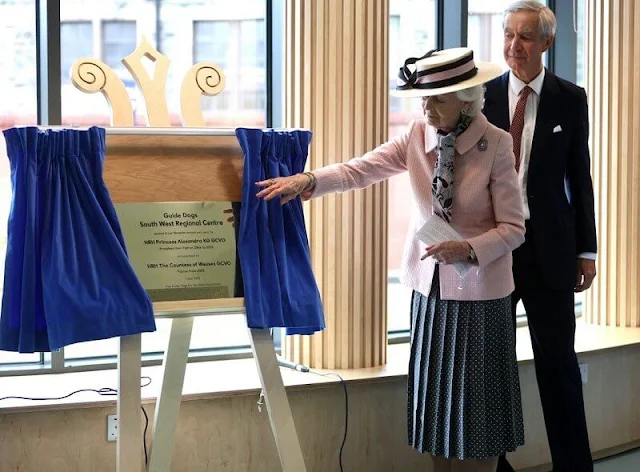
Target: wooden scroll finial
204	78
153	89
91	76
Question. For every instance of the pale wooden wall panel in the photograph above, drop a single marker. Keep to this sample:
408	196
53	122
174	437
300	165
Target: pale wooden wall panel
336	65
634	203
612	81
230	434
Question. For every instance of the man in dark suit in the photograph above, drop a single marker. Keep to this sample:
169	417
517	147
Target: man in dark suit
547	117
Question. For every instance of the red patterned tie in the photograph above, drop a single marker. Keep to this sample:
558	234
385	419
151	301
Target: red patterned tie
517	123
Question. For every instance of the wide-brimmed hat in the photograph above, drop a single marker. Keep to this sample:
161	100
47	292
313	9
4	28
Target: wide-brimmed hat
440	72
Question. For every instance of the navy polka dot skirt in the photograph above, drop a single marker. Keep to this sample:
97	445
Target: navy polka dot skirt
464	393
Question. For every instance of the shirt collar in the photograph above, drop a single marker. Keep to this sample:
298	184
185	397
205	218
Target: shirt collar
517	85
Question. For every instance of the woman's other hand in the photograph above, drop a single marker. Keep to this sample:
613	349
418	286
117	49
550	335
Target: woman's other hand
449	252
287	188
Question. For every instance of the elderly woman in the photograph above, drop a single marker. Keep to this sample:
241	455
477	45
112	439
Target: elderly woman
464	404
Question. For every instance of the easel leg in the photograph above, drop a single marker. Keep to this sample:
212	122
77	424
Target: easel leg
282	425
168	404
129	446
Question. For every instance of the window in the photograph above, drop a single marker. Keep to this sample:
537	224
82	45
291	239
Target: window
233	36
212	30
76	41
395	60
238	46
118	41
17	108
109	31
412	32
484	30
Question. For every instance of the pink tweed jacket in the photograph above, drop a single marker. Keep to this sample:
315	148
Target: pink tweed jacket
487	203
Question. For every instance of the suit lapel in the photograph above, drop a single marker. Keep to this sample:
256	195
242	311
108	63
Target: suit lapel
547	115
496	107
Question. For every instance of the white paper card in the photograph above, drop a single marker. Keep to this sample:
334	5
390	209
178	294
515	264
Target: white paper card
436	231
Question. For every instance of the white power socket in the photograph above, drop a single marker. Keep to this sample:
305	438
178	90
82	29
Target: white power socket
112	428
584	372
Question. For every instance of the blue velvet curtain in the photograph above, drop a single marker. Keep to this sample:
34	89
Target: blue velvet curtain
67	275
279	286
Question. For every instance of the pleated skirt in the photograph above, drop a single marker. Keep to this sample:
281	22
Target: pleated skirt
463	389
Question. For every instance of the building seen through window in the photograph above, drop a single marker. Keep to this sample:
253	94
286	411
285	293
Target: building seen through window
412	33
230	34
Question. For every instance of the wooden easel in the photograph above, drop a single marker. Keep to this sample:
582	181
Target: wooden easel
145	165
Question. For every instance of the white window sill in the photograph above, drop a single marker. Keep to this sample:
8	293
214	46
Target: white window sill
206	380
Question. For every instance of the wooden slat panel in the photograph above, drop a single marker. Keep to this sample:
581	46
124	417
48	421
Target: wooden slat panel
613	147
359	219
594	101
603	118
338	51
318	95
385	218
331	211
613	89
633	314
345	343
140	169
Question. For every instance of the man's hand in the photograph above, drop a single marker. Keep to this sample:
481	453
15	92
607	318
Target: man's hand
585	274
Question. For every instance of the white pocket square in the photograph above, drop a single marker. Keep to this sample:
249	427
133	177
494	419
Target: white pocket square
557	129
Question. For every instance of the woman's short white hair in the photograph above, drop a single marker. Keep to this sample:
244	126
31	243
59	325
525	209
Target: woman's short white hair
474	96
546	19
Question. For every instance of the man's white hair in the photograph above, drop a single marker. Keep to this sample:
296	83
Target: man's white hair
546	19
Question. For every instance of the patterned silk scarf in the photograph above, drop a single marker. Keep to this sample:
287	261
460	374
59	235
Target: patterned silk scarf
442	187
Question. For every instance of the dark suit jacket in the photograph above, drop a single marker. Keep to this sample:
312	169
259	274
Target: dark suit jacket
559	187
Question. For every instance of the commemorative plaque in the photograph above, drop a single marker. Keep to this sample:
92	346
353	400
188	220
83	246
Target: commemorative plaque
181	251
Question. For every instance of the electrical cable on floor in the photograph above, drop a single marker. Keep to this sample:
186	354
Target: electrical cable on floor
346	410
304	369
103	392
144	435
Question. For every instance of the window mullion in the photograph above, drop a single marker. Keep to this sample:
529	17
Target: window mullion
451	17
563	51
48	59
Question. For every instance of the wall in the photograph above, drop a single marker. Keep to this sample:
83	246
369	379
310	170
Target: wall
230	434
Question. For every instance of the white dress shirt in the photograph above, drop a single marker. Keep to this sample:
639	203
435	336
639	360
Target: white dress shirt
530	114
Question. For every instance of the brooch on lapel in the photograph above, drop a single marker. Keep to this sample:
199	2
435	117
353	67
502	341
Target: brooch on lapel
482	145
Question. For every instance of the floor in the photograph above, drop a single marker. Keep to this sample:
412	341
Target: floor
627	462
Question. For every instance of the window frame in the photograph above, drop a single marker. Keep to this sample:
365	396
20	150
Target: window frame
49	113
452	13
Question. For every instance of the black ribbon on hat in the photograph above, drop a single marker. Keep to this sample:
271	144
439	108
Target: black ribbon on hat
410	78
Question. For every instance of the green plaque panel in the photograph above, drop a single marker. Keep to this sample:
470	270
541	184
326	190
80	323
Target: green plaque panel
181	251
